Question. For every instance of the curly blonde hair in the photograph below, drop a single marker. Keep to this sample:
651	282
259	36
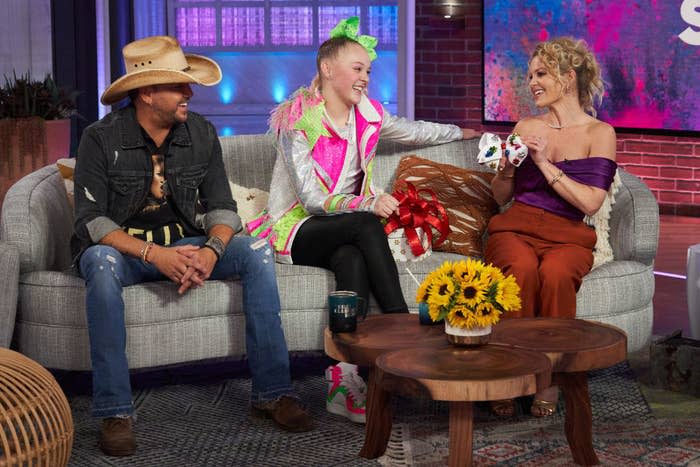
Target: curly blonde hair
562	54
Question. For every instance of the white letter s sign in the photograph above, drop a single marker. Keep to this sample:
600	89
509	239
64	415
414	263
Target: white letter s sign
691	15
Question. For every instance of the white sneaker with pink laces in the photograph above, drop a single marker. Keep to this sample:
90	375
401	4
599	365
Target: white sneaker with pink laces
347	392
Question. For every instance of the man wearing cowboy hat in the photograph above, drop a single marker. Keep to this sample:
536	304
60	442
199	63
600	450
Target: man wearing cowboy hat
152	202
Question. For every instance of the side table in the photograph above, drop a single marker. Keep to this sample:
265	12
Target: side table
36	425
574	347
460	376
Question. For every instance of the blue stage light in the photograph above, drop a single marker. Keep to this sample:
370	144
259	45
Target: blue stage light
279	90
227	90
227	131
386	91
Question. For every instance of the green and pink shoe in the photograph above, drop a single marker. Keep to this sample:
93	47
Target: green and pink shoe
347	392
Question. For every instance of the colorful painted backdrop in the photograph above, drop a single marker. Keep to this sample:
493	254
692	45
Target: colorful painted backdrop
651	73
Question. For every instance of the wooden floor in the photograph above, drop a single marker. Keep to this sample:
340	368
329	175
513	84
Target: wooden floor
676	234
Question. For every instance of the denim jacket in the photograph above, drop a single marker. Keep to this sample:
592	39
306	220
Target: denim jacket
113	175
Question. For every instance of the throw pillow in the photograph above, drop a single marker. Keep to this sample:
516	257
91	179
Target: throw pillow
465	195
602	252
66	167
250	201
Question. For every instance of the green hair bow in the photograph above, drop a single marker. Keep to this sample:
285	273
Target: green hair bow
348	28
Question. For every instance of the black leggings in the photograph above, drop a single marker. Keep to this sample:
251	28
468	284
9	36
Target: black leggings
355	248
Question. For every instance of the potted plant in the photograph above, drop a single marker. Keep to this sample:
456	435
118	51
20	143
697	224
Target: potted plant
34	125
470	296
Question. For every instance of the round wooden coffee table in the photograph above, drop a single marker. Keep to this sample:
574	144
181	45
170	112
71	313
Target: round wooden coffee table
379	334
574	347
460	376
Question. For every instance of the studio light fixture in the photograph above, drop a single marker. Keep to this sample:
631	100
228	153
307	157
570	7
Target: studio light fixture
450	10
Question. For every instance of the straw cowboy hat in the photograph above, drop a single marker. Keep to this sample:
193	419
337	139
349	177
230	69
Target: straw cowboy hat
160	60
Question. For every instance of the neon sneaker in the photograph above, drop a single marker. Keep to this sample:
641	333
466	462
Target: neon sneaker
347	392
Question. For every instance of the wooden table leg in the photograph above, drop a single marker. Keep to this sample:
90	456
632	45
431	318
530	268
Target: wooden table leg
578	421
378	418
461	431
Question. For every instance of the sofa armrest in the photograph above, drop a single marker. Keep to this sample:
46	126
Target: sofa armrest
37	219
634	221
9	271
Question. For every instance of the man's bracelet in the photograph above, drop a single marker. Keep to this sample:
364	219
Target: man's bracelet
216	245
144	251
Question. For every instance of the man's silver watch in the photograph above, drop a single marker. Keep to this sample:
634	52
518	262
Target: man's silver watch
216	245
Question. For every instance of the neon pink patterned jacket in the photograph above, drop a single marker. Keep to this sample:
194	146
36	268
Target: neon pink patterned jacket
310	172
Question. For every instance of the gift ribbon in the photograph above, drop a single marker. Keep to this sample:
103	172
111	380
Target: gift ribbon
491	149
416	212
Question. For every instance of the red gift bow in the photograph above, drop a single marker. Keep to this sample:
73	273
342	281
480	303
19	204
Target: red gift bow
415	212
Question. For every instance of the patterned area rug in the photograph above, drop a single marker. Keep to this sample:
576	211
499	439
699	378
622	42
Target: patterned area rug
208	424
202	425
624	432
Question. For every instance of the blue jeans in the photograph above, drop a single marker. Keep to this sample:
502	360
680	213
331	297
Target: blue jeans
106	272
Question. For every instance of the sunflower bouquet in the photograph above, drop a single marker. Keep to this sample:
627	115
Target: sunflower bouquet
469	294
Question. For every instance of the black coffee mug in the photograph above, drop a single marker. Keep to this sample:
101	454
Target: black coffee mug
344	306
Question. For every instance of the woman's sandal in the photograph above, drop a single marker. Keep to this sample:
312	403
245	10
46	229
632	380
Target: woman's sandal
503	408
541	408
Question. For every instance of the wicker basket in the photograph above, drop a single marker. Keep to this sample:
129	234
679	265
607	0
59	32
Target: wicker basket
36	425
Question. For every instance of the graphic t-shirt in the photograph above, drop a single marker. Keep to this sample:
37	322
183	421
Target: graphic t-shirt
157	220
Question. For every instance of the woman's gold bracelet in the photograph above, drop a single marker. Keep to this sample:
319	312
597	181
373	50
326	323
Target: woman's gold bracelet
556	178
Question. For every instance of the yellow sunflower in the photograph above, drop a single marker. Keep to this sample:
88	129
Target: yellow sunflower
486	314
465	270
492	274
508	294
435	312
462	317
441	289
423	291
445	268
473	292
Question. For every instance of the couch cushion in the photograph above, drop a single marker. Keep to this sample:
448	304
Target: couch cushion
249	202
249	159
204	323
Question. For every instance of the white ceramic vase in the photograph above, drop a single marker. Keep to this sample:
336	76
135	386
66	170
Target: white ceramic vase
467	337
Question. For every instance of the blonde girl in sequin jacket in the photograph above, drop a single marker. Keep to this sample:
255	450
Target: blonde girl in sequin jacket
323	209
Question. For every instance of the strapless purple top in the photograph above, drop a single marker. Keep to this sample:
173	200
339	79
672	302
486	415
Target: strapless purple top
533	189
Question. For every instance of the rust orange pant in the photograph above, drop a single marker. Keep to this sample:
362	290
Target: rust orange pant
547	254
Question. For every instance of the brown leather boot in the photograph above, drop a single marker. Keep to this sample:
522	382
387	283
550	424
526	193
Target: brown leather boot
117	437
286	412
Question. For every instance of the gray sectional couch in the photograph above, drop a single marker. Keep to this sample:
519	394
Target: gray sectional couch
42	303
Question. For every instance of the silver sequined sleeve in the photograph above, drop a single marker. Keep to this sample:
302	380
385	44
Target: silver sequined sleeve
417	132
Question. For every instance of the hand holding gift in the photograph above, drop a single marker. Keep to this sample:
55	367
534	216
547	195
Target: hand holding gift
491	149
414	223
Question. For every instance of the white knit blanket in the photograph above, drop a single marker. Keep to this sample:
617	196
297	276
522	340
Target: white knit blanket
602	253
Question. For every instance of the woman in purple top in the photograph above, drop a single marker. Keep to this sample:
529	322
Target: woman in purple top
542	239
